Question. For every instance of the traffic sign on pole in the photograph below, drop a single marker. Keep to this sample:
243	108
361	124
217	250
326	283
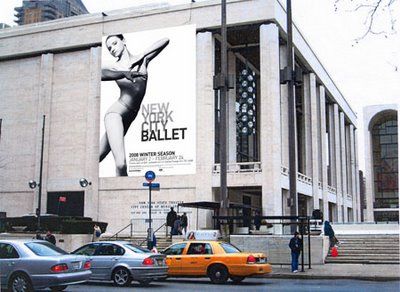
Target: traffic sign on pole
150	176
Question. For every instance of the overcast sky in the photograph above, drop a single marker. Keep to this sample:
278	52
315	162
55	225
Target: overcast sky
365	72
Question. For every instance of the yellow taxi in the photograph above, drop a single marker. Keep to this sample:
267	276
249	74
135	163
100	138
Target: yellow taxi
217	260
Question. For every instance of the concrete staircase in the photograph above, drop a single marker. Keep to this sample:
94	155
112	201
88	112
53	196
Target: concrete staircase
162	242
367	249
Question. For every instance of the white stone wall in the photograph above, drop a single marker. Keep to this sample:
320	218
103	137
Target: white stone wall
53	69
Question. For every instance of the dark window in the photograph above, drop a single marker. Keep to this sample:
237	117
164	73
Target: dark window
7	251
176	249
199	248
108	249
385	164
87	250
65	203
45	249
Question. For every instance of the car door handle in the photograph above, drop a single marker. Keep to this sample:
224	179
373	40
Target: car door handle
207	258
115	259
11	263
178	259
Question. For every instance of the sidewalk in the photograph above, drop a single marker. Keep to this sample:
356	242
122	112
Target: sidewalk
340	271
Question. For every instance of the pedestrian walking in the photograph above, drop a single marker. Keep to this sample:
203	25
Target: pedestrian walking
328	231
96	233
296	246
171	217
50	237
184	222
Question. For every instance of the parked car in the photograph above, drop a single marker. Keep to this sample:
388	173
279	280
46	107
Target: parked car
217	260
27	265
123	262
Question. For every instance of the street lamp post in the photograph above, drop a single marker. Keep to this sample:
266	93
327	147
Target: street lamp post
33	184
291	77
223	87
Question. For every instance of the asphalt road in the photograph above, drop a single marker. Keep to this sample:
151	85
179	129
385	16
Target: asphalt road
253	284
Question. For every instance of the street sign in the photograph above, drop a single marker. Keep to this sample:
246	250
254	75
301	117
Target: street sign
152	185
150	176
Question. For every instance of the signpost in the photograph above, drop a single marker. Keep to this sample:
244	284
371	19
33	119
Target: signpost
150	176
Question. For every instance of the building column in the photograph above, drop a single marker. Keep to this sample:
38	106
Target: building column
231	111
332	153
270	130
205	129
353	171
315	137
284	112
324	166
92	140
343	165
43	108
306	126
337	158
358	174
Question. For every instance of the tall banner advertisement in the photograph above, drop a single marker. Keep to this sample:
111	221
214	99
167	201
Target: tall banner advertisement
148	103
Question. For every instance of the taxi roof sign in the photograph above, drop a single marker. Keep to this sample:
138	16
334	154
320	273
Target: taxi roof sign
203	235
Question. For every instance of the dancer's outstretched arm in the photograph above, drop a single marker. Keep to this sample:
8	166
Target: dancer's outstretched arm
153	50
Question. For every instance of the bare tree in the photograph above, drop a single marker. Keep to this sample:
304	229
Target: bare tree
379	15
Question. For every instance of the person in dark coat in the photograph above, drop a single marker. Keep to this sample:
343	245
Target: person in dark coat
177	228
328	231
50	237
296	246
171	217
184	222
257	220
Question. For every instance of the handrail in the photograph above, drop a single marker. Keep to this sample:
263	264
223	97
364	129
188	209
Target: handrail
140	244
118	232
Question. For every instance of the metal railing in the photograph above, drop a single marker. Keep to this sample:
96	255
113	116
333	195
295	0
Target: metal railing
164	224
122	229
239	167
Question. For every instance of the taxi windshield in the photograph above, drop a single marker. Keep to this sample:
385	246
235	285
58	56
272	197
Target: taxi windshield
229	248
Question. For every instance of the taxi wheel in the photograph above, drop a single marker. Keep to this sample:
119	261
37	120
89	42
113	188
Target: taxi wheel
121	277
20	283
237	279
59	288
218	274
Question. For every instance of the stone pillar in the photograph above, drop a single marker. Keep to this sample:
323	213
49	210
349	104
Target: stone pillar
284	112
353	173
43	108
92	138
338	169
358	175
343	164
332	153
324	169
270	130
315	138
306	125
205	129
231	111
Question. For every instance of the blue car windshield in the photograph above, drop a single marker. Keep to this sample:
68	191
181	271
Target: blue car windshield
45	249
136	249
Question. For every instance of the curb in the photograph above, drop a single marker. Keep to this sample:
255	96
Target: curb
329	277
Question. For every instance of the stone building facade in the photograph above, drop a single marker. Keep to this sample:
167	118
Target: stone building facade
53	69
